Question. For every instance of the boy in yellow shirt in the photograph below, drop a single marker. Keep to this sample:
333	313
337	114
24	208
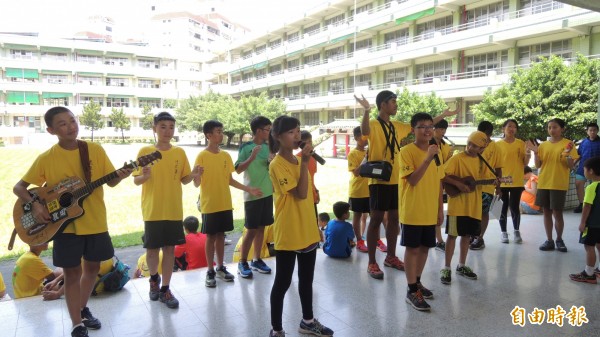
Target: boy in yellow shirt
358	189
464	210
214	178
31	274
421	173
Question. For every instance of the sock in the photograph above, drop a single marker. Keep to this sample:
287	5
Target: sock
460	265
154	277
418	279
412	287
308	321
589	270
447	267
164	289
78	325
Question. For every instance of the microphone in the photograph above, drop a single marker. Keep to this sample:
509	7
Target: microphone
436	157
318	158
451	142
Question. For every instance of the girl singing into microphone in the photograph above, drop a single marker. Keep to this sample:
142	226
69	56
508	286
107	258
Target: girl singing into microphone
295	229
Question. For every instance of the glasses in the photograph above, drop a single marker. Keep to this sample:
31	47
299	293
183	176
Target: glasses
425	127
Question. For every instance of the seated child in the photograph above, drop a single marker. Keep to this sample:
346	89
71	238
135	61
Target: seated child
105	268
142	266
527	202
322	220
193	251
3	295
265	252
31	276
339	233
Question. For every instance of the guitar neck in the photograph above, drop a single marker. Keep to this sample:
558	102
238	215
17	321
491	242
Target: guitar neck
89	188
485	182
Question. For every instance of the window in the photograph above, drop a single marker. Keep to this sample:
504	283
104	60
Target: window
530	7
336	86
311	118
275	69
117	102
116	61
364	8
397	75
246	54
275	93
260	73
145	63
529	54
91	59
55	79
212	30
479	65
63	101
275	44
21	54
311	89
363	80
362	44
469	117
293	37
88	80
437	69
145	83
481	16
54	56
335	53
87	99
426	30
293	65
197	36
399	37
261	49
313	59
294	92
334	114
154	103
117	82
335	21
312	30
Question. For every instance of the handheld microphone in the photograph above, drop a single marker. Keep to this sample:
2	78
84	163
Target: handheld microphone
449	141
436	157
313	154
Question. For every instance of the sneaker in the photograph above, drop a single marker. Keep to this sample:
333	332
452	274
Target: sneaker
518	238
226	241
168	299
578	209
154	289
224	274
89	320
244	270
315	328
210	279
560	246
446	276
547	245
504	238
477	244
381	246
583	277
277	333
393	262
374	271
441	246
424	291
466	272
417	301
361	247
260	266
79	331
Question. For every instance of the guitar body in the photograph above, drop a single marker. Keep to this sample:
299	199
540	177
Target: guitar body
62	205
453	191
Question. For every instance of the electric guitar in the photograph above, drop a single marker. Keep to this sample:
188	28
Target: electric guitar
64	203
453	191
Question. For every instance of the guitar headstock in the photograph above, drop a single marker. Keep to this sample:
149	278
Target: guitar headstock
148	159
506	180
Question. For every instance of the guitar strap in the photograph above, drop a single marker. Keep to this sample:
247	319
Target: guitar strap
84	155
11	242
486	164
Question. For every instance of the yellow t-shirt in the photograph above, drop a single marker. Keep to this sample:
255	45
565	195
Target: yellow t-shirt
28	275
420	203
2	285
359	186
378	149
466	204
295	225
215	195
554	173
142	266
512	156
162	193
446	154
56	164
493	155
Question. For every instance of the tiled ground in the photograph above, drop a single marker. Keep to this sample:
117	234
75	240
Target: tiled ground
348	301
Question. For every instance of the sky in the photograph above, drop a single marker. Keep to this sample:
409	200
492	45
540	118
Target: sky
60	17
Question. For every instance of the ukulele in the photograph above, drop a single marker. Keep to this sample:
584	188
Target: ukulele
64	203
453	191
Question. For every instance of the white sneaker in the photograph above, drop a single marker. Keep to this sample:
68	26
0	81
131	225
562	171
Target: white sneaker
504	237
518	238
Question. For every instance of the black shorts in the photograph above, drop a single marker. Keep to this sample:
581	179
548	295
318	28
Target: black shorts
415	236
217	222
163	233
462	226
591	238
553	199
70	248
486	202
259	212
359	205
383	197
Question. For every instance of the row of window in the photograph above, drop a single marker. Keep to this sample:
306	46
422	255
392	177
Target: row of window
30	98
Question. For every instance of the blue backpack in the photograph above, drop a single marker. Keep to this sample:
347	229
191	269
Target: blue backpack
115	279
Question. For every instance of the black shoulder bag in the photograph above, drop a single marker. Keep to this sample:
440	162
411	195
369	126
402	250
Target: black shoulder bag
382	169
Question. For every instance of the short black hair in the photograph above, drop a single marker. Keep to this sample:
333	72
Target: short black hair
49	115
527	169
280	125
191	223
383	97
259	122
593	164
485	127
592	125
443	124
209	126
304	135
340	208
357	133
558	121
420	116
163	116
324	217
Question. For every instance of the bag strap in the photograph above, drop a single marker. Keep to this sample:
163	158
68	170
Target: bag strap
390	137
84	156
487	164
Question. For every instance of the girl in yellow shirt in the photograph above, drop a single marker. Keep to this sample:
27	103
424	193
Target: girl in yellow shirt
555	159
295	228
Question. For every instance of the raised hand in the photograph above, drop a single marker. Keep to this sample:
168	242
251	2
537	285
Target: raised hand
363	102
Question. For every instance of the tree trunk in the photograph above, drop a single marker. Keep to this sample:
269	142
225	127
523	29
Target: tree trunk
92	134
122	137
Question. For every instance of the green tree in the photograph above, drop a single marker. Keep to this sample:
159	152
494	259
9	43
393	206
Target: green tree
549	89
120	121
409	103
169	103
147	117
91	117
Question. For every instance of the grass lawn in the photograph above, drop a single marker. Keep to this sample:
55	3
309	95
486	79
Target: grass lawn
123	202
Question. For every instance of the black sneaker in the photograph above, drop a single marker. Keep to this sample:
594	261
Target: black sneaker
424	291
417	301
315	328
446	276
547	245
466	272
578	209
477	244
583	277
79	331
168	299
224	274
441	246
560	246
210	279
154	289
277	333
89	320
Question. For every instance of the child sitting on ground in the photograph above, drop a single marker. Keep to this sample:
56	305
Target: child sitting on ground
339	233
193	251
527	202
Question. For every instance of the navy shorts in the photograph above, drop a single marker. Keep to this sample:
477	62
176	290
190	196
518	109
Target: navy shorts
414	236
486	202
383	197
259	212
163	233
217	222
70	248
462	226
591	237
359	205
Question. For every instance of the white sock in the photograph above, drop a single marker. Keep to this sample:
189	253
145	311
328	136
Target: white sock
589	270
308	321
80	324
460	265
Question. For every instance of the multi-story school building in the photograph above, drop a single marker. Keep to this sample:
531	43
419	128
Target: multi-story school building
457	48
